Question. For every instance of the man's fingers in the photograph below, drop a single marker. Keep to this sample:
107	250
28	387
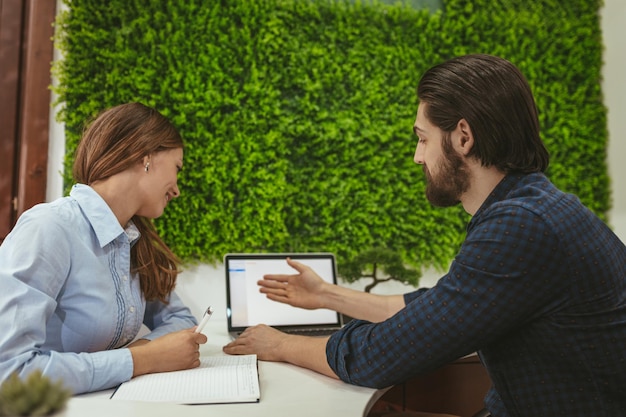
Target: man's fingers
276	277
279	298
300	267
271	283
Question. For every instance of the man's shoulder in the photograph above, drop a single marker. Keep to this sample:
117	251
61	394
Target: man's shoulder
534	203
522	203
533	195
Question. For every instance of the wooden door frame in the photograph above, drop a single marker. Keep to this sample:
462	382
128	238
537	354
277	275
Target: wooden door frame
26	52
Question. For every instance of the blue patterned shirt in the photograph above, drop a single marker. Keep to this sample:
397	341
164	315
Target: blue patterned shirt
68	303
538	289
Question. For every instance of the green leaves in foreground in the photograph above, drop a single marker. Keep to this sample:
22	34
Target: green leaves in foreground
34	396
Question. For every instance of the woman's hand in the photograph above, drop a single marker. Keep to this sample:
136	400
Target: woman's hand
172	352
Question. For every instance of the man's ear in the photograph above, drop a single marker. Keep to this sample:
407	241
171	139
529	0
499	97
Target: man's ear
465	140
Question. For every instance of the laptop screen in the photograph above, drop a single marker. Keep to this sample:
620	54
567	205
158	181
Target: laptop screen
246	306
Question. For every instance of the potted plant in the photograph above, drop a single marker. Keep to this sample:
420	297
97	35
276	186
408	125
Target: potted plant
381	265
34	396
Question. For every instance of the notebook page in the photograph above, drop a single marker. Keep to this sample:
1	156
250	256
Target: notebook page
219	379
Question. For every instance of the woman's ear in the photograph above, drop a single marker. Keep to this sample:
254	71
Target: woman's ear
466	138
146	163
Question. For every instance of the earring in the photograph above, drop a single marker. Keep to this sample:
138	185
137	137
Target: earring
147	167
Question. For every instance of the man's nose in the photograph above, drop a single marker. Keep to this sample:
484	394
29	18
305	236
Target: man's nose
418	158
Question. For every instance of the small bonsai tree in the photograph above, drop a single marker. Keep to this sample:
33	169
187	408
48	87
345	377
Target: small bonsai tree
380	264
34	396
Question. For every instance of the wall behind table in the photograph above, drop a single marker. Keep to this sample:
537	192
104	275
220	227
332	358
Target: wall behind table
203	284
614	88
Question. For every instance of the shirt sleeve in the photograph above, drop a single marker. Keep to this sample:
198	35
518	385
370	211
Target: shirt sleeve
30	281
163	318
500	279
410	296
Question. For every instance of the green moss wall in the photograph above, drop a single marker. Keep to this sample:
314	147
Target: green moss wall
297	115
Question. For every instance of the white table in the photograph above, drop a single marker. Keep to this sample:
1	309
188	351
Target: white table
286	390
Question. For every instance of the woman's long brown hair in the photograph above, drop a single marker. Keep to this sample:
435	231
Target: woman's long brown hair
115	141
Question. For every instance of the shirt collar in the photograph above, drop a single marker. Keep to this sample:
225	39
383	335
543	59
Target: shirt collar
102	219
132	232
500	191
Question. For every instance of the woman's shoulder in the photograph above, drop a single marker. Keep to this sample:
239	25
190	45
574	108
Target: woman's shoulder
59	215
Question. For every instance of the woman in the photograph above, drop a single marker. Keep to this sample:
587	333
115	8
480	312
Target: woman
80	275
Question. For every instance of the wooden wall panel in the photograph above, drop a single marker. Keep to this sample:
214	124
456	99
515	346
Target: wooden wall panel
35	103
26	51
11	13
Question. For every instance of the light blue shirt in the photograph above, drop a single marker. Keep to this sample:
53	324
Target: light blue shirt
68	303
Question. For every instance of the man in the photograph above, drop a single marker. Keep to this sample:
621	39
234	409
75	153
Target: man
538	288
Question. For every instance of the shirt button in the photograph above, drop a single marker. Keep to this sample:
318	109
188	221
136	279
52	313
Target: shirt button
132	309
125	278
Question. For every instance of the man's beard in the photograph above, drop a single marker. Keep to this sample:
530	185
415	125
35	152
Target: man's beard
452	179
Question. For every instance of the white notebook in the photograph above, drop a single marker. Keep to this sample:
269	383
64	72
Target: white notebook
219	379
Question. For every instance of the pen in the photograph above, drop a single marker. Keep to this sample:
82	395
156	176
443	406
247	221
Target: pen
205	319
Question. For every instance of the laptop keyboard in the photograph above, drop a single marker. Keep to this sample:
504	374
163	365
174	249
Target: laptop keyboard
320	331
311	332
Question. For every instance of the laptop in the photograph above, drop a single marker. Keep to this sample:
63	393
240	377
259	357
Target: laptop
246	306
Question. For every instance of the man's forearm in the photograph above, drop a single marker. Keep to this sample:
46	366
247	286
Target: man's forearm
361	305
307	352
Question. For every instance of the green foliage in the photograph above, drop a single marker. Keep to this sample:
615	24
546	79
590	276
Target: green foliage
374	262
558	47
297	115
35	396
